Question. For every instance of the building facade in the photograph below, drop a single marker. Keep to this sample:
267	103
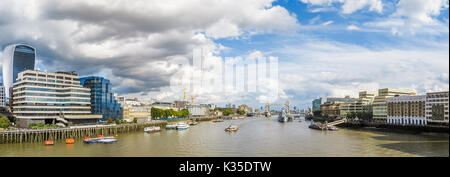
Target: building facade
331	109
406	110
316	104
2	96
198	109
46	97
16	58
103	101
436	108
379	106
361	104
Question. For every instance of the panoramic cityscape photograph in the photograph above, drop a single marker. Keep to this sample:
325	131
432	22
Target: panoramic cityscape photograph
224	78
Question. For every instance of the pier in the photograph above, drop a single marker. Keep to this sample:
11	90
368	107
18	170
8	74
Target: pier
74	132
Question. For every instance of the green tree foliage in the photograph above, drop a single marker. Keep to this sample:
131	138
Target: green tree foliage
134	120
166	113
4	121
241	112
226	112
117	121
366	116
110	120
317	113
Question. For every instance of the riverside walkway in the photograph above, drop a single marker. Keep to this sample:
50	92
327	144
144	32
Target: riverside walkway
60	134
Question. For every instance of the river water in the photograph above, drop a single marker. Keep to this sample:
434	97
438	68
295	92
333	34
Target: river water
255	137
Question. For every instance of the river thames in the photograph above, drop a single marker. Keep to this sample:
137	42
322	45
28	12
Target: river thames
256	137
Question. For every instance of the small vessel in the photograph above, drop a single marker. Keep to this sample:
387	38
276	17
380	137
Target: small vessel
317	126
152	129
332	128
91	140
49	143
109	139
182	126
231	128
171	126
282	117
70	141
235	118
217	120
193	123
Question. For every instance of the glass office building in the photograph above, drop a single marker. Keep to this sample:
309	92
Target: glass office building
103	101
16	58
51	98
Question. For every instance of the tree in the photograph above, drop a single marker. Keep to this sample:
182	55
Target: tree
317	113
117	121
134	120
4	121
110	120
241	112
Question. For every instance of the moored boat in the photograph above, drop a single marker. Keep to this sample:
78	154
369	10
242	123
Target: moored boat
193	123
317	126
231	128
152	129
107	140
171	126
182	126
332	128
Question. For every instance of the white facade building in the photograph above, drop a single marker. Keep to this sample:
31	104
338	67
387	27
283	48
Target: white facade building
406	110
2	96
46	97
436	108
198	109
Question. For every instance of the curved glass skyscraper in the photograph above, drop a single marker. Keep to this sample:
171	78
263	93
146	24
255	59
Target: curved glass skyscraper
16	58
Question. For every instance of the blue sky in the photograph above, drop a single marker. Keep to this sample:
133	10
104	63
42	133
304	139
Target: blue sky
324	47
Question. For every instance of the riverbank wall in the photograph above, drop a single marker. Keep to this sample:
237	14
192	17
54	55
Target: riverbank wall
75	132
385	126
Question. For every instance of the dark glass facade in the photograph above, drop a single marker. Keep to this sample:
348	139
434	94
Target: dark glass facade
24	57
102	99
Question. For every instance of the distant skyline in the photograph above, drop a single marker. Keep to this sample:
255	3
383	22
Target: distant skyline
324	47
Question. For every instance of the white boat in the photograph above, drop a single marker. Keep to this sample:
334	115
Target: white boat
107	140
231	128
152	129
282	117
193	123
171	126
182	126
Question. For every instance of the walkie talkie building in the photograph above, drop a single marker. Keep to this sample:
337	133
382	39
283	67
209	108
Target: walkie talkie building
16	58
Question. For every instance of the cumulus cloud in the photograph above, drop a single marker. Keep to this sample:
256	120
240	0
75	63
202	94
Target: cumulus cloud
131	43
349	6
352	27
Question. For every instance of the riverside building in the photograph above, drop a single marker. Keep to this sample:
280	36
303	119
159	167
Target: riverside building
316	104
406	110
2	96
362	104
379	105
103	101
16	58
436	108
51	98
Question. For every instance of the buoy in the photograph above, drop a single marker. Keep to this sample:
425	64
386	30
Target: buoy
49	143
70	141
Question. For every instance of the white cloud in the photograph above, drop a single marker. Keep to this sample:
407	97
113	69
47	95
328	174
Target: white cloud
420	11
352	27
349	6
327	23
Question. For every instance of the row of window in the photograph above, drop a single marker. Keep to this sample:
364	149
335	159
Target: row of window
52	90
51	95
50	76
52	100
50	109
